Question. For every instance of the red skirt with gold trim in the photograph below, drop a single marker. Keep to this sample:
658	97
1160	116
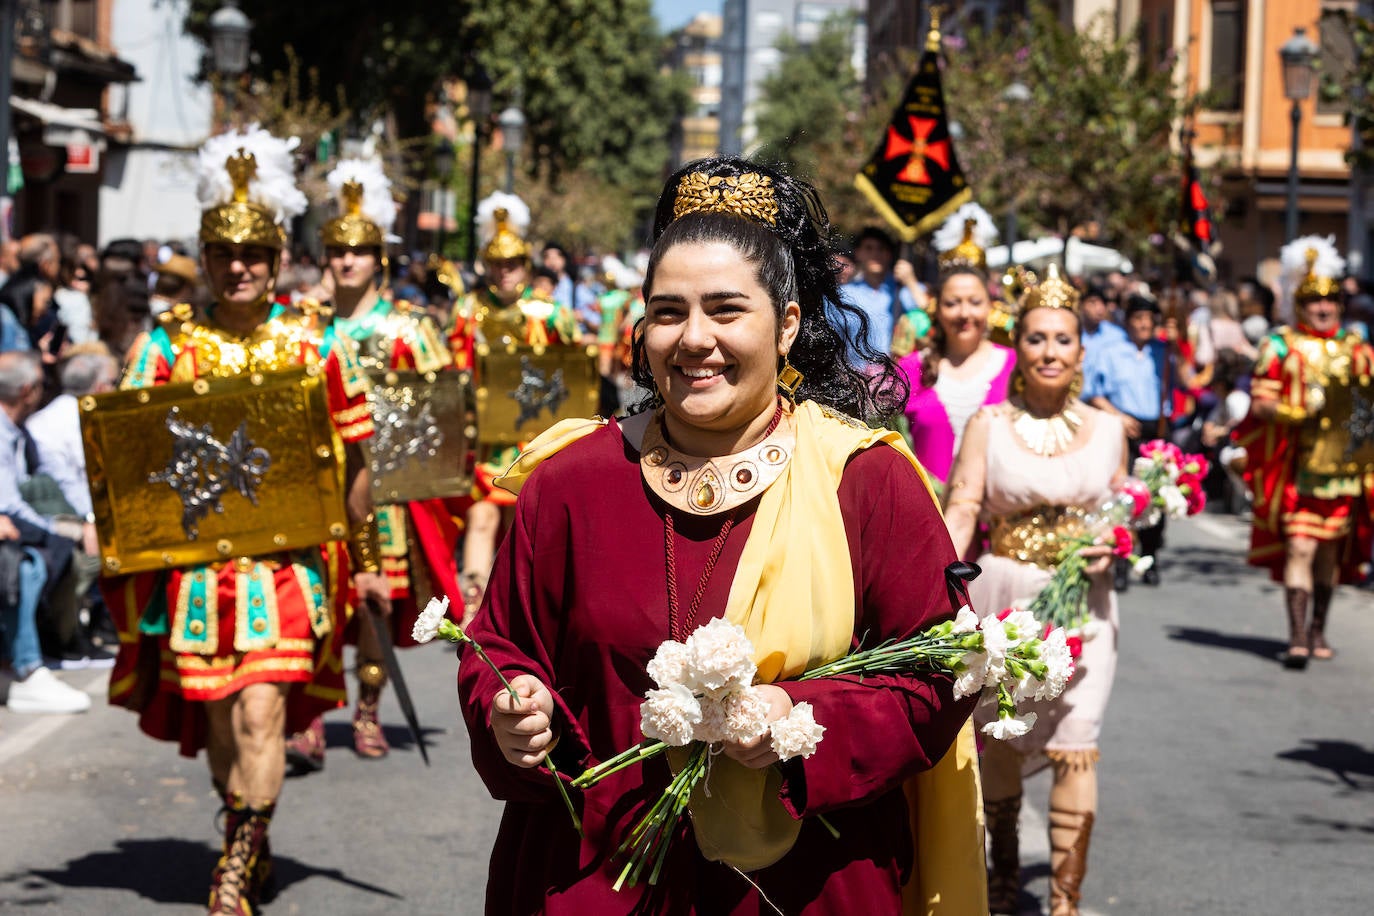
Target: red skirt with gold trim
168	688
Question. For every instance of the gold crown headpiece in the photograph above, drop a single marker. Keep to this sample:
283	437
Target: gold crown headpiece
1314	286
749	195
240	221
1053	292
967	253
352	229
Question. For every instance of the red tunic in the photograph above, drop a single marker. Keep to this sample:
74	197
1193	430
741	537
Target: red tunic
578	599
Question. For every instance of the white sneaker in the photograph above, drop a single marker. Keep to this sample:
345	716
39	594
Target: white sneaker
41	692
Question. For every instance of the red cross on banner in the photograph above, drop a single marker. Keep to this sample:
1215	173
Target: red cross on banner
918	149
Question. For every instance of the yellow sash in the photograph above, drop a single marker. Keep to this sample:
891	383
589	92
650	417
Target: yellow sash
793	593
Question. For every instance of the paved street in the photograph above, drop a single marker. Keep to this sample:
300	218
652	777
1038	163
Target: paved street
1229	786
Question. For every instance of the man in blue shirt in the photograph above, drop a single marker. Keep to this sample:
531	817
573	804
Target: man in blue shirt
1099	333
1129	377
875	291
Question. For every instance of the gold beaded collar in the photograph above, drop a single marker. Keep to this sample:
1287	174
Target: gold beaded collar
705	486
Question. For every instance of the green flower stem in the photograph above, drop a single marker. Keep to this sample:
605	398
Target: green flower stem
649	840
828	826
454	633
645	750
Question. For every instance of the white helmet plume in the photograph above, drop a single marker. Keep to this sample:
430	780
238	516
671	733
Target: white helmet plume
1293	258
273	182
377	203
517	215
949	235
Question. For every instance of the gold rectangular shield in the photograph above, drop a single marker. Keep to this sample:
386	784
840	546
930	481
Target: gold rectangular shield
420	443
523	390
213	469
1341	442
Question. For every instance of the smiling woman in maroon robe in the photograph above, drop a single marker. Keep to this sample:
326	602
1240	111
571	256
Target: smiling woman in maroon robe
777	511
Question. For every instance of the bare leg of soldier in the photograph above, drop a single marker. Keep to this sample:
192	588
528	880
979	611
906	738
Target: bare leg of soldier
1326	574
254	721
479	551
1300	555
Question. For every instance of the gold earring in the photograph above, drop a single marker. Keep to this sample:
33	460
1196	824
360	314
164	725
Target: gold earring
1076	386
1018	382
789	380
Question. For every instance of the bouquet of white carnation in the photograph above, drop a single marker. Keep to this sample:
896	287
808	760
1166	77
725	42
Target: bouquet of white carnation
705	694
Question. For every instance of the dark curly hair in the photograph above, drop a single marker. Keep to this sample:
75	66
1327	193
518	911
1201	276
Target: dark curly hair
795	260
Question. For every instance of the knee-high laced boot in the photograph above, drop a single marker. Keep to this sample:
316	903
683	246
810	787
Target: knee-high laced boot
1298	652
368	738
1321	606
1073	806
1004	870
243	876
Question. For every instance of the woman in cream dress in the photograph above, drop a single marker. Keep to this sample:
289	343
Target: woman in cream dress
1031	468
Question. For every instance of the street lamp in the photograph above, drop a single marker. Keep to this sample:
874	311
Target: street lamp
443	170
1015	95
512	123
479	108
229	30
1299	56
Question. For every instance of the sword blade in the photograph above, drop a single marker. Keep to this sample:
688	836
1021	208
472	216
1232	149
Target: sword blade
393	667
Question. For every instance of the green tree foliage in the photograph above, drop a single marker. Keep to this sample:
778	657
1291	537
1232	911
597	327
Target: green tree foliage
1354	87
1090	148
586	72
1092	145
810	118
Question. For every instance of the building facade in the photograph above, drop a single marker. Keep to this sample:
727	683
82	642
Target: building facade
1230	51
64	67
696	52
148	190
749	40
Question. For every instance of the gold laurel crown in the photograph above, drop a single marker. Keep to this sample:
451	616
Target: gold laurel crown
1053	292
750	195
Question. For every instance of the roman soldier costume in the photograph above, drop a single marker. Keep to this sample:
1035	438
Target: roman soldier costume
1310	445
219	482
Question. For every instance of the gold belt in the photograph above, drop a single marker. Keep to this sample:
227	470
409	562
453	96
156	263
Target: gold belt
1038	534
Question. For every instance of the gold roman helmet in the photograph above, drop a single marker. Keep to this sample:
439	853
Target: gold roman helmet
366	208
247	190
1312	269
502	220
963	239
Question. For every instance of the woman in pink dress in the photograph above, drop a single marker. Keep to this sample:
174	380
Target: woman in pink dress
1031	468
957	372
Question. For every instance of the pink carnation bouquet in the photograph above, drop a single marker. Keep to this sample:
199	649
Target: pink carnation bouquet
1167	482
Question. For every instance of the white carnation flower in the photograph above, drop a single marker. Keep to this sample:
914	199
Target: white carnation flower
427	624
1054	652
712	727
1144	565
966	621
669	664
1142	467
746	715
975	673
669	715
995	646
1010	726
1021	626
721	660
798	734
1175	503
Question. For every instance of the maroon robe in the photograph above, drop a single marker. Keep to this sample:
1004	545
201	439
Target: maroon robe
578	599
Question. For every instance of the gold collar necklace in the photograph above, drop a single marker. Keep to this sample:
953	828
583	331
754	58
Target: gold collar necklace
705	486
1047	436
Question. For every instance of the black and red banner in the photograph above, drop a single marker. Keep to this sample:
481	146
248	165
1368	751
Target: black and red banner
913	178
